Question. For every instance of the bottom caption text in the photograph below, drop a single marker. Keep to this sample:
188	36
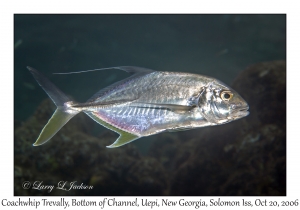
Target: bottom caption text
146	202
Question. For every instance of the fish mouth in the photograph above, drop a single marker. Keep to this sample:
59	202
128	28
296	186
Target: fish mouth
243	112
240	112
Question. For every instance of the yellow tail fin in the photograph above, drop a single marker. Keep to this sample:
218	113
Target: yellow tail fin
61	115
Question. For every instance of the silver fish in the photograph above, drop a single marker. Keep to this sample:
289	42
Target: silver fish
147	103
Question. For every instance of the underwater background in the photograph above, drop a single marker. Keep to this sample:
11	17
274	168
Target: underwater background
245	157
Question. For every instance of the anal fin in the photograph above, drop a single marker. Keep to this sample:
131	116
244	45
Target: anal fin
124	137
179	129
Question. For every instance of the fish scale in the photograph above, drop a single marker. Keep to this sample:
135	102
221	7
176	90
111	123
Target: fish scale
147	103
147	84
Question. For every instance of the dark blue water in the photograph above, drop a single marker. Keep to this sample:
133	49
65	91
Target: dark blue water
216	45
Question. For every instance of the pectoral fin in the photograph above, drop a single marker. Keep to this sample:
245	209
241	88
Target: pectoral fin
124	137
171	107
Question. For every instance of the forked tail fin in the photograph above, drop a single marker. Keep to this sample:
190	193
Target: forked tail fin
61	115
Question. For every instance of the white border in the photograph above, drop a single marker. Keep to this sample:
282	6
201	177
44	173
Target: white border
154	6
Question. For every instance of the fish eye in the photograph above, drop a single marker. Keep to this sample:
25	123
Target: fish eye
226	95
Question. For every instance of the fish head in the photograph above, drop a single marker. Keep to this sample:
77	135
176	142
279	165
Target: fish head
221	104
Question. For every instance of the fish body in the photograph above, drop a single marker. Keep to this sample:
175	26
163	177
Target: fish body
147	103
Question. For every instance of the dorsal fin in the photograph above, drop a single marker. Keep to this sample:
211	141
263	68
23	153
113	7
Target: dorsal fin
138	72
124	137
129	69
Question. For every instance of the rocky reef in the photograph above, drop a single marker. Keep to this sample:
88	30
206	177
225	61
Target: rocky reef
245	157
74	155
